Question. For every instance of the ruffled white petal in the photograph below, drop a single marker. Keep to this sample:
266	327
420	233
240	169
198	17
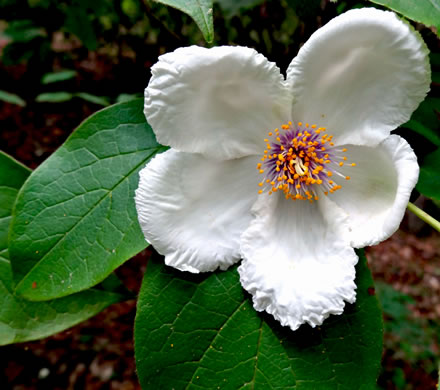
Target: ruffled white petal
220	102
193	210
376	196
360	76
295	263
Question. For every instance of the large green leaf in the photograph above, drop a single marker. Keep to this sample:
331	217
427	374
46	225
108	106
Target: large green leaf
201	332
426	120
429	179
12	176
75	219
199	10
423	11
22	320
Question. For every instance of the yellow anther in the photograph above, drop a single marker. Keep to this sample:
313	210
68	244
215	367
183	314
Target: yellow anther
290	123
307	125
323	148
353	164
270	134
258	165
347	177
260	184
266	140
278	139
300	124
344	158
344	150
261	170
329	173
260	192
341	164
298	186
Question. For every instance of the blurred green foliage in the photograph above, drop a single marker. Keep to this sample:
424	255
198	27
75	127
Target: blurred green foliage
410	338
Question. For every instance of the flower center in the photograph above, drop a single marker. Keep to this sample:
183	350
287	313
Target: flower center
302	161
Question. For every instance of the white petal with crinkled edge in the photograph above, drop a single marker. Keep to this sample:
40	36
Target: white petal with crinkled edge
360	76
193	210
295	263
219	102
376	196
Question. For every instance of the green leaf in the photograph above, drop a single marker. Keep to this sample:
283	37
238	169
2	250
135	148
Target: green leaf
429	179
54	97
78	22
23	31
200	332
75	220
426	120
125	97
199	10
12	176
100	100
422	11
56	77
231	8
12	98
22	320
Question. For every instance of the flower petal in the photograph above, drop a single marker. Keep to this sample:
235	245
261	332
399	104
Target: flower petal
360	76
295	264
220	102
193	210
376	196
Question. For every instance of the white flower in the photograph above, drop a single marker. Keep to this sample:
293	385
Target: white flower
226	111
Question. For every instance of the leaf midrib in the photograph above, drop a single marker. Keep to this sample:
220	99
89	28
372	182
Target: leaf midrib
47	254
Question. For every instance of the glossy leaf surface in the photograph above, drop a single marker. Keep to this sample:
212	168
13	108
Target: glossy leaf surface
201	332
75	219
426	12
199	10
22	320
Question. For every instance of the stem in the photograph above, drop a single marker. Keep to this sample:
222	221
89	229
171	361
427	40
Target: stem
425	217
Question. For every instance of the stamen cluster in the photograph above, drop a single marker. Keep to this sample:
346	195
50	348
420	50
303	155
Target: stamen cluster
301	161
